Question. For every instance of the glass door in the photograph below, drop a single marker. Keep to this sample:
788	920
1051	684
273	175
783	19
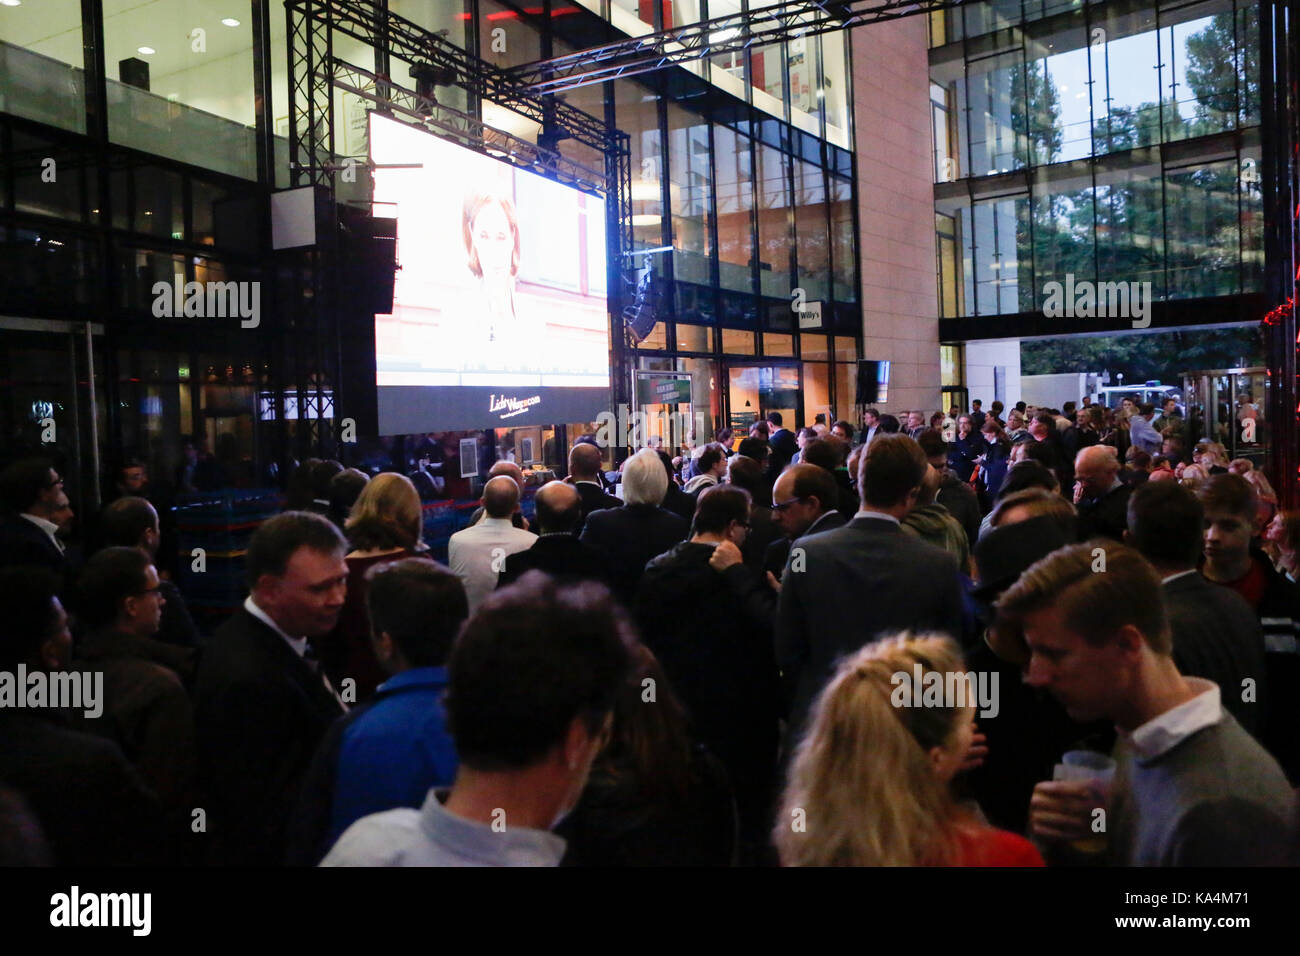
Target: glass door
756	390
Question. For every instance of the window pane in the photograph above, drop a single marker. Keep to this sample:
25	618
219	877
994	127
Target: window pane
1063	229
835	90
773	222
779	345
816	390
180	83
689	187
843	241
41	75
810	231
506	38
33	190
846	390
657	339
1201	217
735	342
1126	95
767	79
997	114
814	346
846	349
636	109
735	185
1002	273
694	338
1130	219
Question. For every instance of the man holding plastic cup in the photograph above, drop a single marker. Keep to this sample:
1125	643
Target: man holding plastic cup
1190	787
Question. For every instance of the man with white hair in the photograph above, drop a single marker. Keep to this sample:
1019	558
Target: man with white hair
1099	495
641	529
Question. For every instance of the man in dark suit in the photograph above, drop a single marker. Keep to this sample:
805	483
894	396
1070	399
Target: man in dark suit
845	587
640	530
954	494
674	500
1216	633
783	443
870	425
1099	495
36	509
744	472
584	474
557	550
803	503
262	703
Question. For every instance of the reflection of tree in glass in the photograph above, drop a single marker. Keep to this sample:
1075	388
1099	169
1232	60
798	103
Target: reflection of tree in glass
1140	358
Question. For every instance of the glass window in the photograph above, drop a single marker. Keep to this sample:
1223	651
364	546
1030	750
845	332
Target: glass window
816	390
814	346
813	246
773	222
506	37
1247	63
637	112
447	17
1252	222
657	339
34	191
1056	100
180	82
41	63
159	203
1126	92
843	241
1003	269
995	89
805	105
846	391
777	344
1063	229
1202	222
633	17
690	187
736	342
1199	86
846	349
767	78
834	91
1130	219
735	187
945	228
694	338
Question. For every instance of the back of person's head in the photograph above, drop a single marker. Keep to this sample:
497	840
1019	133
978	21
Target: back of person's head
746	473
666	460
125	521
559	507
500	497
825	453
774	418
760	429
28	596
508	468
1095	606
892	468
344	489
275	542
111	575
299	493
1146	409
997	408
808	433
723	436
932	443
755	448
1165	524
1228	493
1028	474
1137	458
718	506
420	604
649	745
386	515
813	481
709	458
585	460
321	474
1034	502
645	482
864	769
890	425
535	656
22	482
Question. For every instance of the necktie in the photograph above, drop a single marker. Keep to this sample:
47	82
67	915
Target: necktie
313	663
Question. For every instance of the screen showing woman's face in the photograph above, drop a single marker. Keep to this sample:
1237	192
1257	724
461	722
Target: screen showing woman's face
494	240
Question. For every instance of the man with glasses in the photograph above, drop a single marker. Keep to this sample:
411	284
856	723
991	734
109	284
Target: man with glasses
954	494
147	711
36	512
804	502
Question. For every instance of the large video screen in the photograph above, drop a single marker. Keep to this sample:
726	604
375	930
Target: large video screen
500	316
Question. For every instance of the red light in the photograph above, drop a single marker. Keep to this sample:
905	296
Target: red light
503	15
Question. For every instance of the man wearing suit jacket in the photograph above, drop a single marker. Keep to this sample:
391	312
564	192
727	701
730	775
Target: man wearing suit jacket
1216	633
870	425
557	551
31	494
262	704
643	528
803	503
584	474
784	445
845	587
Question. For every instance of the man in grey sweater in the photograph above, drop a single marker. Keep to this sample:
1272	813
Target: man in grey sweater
1191	788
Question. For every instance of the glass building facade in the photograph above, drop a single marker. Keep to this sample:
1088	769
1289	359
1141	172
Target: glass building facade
140	141
1105	141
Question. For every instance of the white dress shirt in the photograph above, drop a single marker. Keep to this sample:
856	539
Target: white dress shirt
477	554
49	527
1161	734
299	644
868	513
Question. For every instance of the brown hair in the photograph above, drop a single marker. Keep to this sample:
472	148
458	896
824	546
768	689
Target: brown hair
892	467
473	206
386	515
1096	599
1230	493
1038	502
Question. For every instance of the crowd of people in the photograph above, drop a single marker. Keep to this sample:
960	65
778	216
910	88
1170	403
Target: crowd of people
691	661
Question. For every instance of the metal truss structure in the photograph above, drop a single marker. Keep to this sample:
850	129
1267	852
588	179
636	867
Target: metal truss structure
315	72
734	33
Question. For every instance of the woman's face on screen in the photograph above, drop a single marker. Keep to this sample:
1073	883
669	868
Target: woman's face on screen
494	240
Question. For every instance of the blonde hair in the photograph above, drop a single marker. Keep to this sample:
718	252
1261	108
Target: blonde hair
387	515
862	782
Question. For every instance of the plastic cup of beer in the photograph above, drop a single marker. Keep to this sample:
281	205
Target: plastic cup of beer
1098	770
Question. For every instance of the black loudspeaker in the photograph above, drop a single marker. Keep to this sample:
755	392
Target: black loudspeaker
873	382
371	261
134	72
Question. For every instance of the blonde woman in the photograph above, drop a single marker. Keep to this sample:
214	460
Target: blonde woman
385	526
870	784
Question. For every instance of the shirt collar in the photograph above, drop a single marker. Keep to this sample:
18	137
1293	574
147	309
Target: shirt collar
868	513
299	644
414	677
1161	734
588	481
469	839
1180	574
49	527
818	520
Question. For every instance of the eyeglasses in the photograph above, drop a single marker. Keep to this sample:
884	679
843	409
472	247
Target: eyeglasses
56	483
782	505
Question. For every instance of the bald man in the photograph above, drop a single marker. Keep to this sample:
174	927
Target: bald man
558	551
510	470
585	461
1099	496
478	553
